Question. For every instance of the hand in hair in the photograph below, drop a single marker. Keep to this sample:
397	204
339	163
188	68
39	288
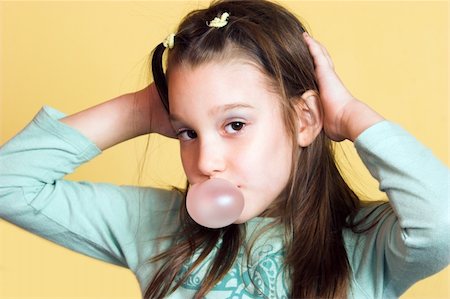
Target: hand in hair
122	118
345	117
160	122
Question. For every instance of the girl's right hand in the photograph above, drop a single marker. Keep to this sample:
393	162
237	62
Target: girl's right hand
160	122
123	118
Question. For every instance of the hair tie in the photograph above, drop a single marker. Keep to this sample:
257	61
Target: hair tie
169	41
219	22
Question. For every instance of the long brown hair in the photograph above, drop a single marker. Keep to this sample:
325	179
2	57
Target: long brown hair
318	204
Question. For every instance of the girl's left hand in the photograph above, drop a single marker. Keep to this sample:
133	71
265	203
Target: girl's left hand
345	117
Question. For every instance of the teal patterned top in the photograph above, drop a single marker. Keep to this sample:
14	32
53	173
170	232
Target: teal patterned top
120	224
259	275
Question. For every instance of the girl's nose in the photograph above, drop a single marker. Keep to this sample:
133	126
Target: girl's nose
211	158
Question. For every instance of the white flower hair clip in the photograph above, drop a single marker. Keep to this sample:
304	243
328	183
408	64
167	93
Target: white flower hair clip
169	41
219	22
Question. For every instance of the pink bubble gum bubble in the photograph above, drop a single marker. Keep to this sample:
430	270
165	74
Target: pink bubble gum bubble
214	203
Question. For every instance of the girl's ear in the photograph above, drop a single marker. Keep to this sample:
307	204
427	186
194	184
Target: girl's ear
309	117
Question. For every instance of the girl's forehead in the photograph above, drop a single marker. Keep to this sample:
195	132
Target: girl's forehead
236	73
221	86
218	78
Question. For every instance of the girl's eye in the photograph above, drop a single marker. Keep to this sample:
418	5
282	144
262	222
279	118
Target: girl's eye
234	127
186	135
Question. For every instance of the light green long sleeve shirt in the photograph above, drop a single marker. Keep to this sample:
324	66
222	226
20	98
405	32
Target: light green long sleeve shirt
118	224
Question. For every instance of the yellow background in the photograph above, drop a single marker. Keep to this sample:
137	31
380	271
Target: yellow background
72	55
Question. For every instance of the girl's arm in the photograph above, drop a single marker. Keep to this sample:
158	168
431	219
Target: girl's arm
100	220
412	241
122	118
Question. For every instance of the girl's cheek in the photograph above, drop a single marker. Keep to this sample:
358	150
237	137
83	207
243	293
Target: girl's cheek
188	161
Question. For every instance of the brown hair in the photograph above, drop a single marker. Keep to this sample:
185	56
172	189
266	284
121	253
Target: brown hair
318	204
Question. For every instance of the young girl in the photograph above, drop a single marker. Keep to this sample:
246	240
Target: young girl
254	100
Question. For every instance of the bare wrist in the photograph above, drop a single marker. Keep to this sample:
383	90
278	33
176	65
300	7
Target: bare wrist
141	101
357	118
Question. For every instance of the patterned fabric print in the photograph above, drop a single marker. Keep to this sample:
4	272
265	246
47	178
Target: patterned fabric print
263	278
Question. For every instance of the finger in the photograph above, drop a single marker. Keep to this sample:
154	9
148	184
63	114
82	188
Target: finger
327	55
324	53
316	51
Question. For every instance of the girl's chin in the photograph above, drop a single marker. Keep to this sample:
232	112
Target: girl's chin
242	219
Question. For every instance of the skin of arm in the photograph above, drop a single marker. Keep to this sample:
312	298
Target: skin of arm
122	118
358	117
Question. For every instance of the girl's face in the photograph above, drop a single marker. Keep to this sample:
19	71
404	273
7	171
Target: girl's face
230	126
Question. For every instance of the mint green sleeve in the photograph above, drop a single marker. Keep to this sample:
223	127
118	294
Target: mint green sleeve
412	240
100	220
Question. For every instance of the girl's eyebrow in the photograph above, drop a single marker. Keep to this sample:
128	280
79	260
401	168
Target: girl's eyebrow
216	110
225	108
